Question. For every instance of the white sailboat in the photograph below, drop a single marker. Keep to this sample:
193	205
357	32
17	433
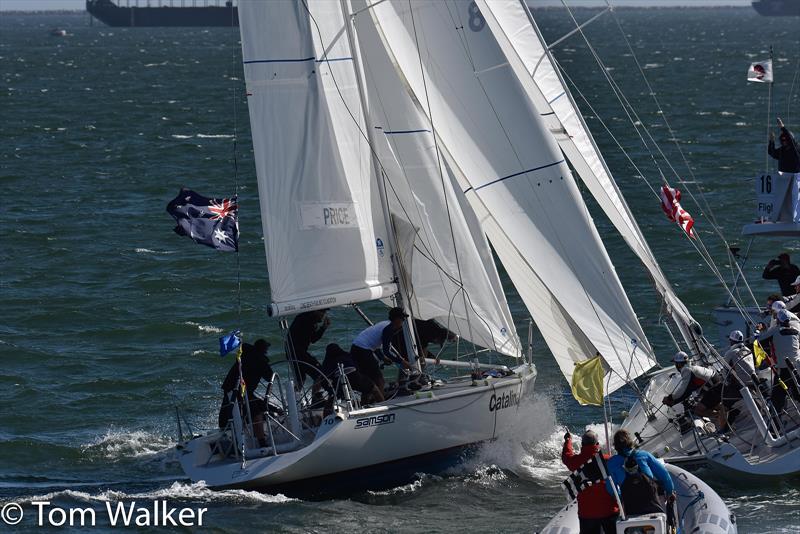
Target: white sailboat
760	443
391	139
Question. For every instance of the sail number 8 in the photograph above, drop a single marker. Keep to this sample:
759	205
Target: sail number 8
476	20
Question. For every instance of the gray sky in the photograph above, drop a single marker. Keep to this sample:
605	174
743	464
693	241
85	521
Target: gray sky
34	5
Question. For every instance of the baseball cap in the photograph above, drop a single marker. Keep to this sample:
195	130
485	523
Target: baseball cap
680	357
778	305
397	313
736	336
783	316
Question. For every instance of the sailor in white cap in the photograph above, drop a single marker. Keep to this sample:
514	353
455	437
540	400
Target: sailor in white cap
786	342
775	309
740	367
693	378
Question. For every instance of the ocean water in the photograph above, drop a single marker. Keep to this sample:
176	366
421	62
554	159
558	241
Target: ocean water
109	319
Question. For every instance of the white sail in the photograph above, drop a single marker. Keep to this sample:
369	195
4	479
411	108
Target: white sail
517	180
522	43
324	244
444	251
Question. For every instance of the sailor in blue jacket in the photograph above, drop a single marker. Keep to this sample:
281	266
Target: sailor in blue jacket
647	465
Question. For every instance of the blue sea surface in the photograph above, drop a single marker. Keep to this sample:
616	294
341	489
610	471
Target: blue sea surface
109	319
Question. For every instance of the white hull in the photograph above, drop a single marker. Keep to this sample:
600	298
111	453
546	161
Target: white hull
444	419
703	511
744	451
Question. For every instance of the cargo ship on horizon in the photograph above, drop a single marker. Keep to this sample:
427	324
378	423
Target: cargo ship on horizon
777	8
164	12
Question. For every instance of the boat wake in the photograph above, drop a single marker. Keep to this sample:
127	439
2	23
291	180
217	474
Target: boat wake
531	450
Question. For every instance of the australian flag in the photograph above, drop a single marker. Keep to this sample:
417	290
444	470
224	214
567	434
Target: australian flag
208	221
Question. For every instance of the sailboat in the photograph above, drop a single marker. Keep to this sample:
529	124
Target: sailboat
395	142
760	442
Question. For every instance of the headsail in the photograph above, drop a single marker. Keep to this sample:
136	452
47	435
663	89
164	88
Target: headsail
315	176
522	42
515	177
443	249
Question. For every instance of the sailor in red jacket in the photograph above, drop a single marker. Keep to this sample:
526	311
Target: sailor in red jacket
597	510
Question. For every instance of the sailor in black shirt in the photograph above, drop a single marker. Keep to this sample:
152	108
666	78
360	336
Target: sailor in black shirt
782	270
306	328
255	366
788	154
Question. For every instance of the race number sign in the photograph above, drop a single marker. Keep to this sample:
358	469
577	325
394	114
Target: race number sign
771	192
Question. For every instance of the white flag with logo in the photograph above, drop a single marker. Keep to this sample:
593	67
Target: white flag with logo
760	71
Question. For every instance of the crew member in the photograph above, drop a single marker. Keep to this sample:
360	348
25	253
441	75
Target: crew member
379	336
597	510
693	378
306	328
782	270
427	332
635	473
254	367
788	156
335	356
786	342
740	369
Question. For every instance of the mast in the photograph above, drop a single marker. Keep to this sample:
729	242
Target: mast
397	267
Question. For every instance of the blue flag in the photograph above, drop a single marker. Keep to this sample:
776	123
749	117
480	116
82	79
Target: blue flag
208	221
230	342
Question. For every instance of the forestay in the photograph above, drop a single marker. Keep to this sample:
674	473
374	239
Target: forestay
443	249
516	179
326	243
522	42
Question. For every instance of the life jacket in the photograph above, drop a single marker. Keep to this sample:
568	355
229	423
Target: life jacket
640	493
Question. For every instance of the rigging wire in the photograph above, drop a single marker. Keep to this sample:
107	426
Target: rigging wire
731	259
636	122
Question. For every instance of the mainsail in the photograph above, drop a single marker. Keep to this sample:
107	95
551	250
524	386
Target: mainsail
325	245
516	32
517	181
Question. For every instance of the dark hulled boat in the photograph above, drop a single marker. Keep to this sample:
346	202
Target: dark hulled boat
164	12
777	8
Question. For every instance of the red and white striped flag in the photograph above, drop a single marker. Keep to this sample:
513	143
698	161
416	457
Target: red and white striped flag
671	204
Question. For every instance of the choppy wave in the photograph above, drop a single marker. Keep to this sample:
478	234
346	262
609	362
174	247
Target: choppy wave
179	491
149	251
118	444
205	328
422	480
